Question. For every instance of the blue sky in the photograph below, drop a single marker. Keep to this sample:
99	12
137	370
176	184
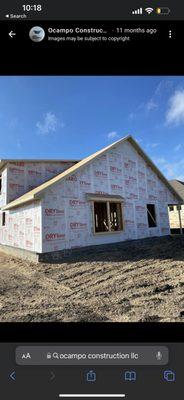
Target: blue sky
72	117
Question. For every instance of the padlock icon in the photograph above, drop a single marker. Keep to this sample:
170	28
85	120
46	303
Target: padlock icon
49	356
91	376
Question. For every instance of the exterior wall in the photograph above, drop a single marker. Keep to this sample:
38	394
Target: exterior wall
68	217
25	176
3	195
174	218
23	228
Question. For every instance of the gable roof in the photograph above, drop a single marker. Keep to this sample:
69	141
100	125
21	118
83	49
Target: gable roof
178	187
36	193
3	162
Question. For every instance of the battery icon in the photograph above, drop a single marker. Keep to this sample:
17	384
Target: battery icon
163	10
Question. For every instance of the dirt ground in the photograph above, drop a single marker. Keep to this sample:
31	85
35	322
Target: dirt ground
127	282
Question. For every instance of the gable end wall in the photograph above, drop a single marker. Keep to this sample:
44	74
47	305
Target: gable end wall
68	217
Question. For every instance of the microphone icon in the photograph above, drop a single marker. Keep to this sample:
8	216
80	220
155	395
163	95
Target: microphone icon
159	356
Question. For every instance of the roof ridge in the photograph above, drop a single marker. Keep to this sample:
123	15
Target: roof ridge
35	193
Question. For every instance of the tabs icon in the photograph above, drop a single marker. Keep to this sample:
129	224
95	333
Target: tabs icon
169	376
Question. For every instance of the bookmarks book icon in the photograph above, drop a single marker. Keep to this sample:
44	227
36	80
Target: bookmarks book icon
130	376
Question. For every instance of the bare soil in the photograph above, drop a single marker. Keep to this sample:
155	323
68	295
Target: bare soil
135	281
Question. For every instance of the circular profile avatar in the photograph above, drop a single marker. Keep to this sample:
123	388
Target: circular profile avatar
37	34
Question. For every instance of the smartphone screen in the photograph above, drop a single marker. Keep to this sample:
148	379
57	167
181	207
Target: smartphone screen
91	199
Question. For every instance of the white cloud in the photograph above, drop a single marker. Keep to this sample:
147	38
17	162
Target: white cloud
175	112
139	140
112	135
132	115
178	147
172	170
49	124
145	107
151	105
163	86
159	160
154	145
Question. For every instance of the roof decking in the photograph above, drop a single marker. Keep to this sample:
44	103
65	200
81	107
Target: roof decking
178	187
36	193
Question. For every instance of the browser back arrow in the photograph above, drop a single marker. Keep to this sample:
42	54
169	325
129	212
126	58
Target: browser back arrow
13	376
12	34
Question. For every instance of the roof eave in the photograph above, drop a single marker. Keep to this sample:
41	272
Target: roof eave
15	204
87	160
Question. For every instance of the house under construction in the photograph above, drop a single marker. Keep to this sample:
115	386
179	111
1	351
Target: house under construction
113	195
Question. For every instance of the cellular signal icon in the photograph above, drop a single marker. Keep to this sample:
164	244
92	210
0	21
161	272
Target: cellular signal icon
138	11
149	10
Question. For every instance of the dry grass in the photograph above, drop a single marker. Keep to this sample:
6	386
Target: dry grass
131	281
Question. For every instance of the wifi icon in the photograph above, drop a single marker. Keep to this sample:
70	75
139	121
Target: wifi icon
149	10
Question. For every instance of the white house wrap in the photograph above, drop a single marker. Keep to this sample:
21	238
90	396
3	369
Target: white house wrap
60	213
